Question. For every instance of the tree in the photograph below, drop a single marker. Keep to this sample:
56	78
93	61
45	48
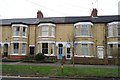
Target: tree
71	42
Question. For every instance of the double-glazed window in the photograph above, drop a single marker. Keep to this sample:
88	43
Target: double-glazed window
110	30
23	48
76	30
45	30
15	47
84	30
52	48
24	31
16	30
45	48
53	31
19	30
84	51
118	29
110	49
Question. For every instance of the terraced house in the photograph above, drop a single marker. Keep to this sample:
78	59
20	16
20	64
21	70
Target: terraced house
58	37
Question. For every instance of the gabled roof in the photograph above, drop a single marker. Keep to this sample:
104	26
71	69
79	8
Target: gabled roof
61	20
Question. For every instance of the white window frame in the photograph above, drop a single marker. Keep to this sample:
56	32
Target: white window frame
53	31
84	30
23	48
110	30
24	34
118	29
45	30
17	48
52	48
15	32
76	30
45	48
84	47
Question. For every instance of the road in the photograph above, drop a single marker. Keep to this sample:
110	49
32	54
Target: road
59	79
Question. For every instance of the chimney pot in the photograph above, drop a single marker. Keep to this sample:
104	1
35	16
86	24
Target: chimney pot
94	12
39	14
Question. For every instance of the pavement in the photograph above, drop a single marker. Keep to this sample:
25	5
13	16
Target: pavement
58	64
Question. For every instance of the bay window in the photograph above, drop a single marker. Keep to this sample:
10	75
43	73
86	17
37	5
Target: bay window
52	48
118	29
45	30
53	31
110	30
84	51
84	30
16	30
23	48
15	48
24	31
45	48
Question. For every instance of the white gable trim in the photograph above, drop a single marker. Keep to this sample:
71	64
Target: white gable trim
115	42
79	23
21	25
46	24
46	42
18	42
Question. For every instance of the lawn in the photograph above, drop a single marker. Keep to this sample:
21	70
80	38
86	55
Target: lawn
68	71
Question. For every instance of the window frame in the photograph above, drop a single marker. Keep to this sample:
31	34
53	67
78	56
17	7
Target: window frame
85	48
84	30
24	48
45	29
15	48
45	48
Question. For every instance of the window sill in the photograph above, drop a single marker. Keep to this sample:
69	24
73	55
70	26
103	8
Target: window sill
110	57
85	36
19	36
46	36
83	56
15	54
113	37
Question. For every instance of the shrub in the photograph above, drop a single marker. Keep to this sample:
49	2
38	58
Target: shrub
29	57
40	57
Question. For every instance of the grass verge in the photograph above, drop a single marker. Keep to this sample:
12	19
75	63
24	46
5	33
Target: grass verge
24	70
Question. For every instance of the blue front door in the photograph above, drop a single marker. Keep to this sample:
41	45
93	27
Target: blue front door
60	51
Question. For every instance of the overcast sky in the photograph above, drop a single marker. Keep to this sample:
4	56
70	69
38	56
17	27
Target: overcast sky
55	8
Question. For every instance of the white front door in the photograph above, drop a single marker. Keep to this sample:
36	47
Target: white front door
100	52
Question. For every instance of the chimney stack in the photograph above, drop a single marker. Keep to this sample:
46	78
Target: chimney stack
39	14
94	12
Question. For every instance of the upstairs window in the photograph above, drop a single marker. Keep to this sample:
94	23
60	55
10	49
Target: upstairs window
45	48
16	30
118	29
76	30
24	31
84	30
53	31
110	30
45	30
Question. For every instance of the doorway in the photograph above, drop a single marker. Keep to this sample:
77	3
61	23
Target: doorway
60	51
5	50
100	52
32	50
